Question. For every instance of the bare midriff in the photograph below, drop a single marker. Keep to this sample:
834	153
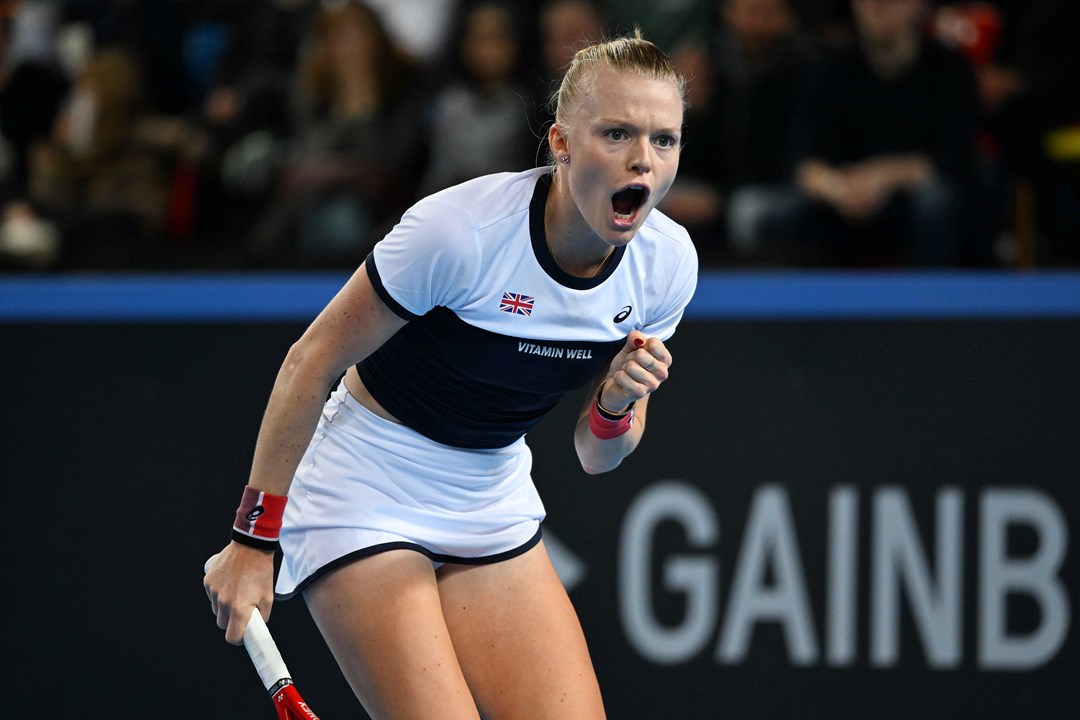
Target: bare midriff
360	393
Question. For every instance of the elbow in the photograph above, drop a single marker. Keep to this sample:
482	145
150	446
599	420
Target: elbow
593	465
304	360
598	469
297	361
598	457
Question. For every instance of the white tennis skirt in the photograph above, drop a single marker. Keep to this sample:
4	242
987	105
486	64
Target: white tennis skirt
366	485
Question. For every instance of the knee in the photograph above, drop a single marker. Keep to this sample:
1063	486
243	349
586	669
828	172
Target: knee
937	199
757	215
936	222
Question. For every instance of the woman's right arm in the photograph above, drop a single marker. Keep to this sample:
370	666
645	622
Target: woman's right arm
352	326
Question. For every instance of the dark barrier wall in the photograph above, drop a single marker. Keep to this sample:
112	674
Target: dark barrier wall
848	504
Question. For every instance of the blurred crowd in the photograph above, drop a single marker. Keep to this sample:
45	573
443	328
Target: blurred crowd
248	134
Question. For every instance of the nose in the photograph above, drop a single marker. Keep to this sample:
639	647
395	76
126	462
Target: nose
640	161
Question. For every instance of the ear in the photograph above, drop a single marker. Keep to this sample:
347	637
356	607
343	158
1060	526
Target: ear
558	141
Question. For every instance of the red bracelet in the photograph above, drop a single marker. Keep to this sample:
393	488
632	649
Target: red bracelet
607	425
258	519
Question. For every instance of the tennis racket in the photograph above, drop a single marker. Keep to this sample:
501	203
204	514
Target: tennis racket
271	668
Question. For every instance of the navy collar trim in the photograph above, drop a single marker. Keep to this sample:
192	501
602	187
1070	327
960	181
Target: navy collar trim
543	252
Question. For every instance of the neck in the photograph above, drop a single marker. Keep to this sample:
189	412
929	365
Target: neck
891	57
576	248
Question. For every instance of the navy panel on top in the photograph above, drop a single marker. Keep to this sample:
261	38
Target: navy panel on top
470	388
464	386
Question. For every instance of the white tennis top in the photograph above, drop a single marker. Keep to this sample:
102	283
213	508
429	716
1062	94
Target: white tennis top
498	332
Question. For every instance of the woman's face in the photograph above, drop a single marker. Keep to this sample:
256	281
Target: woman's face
887	20
351	42
758	23
489	48
623	142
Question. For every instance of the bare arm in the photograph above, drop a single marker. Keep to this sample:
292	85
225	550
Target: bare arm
634	373
891	173
820	180
858	190
352	326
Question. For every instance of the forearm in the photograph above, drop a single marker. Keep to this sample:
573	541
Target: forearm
598	455
819	180
242	576
899	172
634	374
352	326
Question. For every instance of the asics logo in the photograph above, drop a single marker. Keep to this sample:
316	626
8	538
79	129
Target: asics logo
623	314
255	512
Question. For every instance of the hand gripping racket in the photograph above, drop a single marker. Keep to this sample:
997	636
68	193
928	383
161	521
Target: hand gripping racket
271	668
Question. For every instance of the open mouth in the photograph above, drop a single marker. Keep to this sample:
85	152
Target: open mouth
626	203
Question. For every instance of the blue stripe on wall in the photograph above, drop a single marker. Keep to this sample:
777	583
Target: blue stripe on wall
831	295
720	295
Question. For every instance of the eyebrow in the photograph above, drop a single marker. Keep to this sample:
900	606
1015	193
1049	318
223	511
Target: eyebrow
631	126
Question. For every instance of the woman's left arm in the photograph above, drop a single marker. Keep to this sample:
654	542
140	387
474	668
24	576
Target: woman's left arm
612	421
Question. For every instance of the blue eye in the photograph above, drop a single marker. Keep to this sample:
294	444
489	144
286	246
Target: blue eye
667	141
617	134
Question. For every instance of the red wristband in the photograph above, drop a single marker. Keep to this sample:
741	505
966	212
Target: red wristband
605	426
259	515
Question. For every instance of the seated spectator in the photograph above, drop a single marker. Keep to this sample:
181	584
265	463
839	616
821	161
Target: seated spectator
565	26
479	124
884	147
107	193
248	82
150	31
1046	51
242	118
32	85
1026	60
974	30
358	147
743	92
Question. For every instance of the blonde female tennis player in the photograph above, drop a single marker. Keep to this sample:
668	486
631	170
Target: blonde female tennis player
403	505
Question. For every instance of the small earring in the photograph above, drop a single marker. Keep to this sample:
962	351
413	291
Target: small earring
565	160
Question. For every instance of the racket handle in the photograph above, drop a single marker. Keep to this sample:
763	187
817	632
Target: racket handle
261	648
264	653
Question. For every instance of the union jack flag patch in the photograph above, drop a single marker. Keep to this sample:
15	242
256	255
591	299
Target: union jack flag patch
517	303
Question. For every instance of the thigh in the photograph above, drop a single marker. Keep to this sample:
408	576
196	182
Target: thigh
382	619
519	641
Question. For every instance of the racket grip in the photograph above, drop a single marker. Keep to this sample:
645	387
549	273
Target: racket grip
264	653
261	648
